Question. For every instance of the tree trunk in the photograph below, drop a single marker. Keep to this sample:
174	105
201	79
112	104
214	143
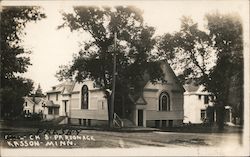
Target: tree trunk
241	107
241	114
110	116
220	116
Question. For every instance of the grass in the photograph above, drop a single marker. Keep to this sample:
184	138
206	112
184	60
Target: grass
199	128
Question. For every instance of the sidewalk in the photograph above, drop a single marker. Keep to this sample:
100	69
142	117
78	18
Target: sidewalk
124	129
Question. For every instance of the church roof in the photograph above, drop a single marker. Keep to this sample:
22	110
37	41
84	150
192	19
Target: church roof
137	95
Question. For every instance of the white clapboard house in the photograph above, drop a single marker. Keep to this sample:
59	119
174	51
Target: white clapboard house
199	105
157	105
33	105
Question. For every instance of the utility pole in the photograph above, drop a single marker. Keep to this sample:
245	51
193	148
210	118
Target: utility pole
113	84
33	99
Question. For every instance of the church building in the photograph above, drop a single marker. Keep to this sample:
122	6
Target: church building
156	105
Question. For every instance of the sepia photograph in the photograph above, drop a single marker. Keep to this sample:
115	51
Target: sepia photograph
124	78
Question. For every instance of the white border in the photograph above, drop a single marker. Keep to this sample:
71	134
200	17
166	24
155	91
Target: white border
149	151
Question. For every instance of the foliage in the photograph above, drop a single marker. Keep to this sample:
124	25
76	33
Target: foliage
12	92
193	50
227	76
39	92
188	50
14	58
95	61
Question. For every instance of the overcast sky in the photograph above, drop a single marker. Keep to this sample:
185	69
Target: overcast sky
51	47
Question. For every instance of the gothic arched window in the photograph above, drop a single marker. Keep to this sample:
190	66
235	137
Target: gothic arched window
164	102
85	97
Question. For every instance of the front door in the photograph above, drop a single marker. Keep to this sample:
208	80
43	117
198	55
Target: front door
140	117
65	108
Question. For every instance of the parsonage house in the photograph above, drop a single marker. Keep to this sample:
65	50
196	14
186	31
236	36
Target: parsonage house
156	105
199	106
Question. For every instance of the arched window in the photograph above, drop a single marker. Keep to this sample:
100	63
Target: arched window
85	97
164	102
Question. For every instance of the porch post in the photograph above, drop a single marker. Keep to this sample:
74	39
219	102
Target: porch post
144	118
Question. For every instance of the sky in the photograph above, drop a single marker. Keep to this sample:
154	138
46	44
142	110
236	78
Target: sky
51	47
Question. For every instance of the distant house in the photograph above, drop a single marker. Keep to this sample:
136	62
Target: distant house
199	106
156	105
33	105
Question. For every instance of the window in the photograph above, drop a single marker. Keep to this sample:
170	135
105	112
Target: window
50	111
48	96
199	96
212	98
26	104
102	105
85	97
164	102
203	115
56	111
206	99
56	96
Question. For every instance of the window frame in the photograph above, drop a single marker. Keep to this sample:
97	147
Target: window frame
84	93
56	111
199	97
160	103
203	112
206	99
50	111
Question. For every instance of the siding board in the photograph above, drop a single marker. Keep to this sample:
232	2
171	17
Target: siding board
90	114
161	115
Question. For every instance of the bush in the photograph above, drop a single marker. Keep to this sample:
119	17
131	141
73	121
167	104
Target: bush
33	117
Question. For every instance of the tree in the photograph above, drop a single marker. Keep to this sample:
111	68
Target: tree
14	58
95	60
227	76
193	50
188	51
39	92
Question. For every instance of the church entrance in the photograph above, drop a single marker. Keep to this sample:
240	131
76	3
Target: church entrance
140	117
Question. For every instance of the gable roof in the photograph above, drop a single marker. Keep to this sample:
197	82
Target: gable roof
177	81
196	89
33	100
191	87
64	88
137	96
